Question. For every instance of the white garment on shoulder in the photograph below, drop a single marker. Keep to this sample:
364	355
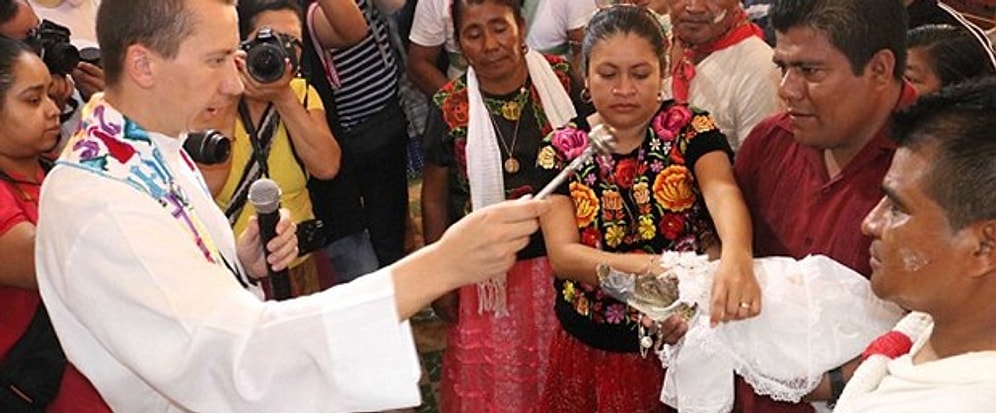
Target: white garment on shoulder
554	18
816	314
157	328
738	86
965	383
432	26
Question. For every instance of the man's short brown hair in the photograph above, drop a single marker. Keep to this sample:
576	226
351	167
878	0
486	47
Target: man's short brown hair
160	25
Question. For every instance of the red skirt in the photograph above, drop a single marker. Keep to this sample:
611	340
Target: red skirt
584	379
498	364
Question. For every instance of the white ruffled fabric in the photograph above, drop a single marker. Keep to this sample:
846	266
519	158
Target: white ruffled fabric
817	314
484	164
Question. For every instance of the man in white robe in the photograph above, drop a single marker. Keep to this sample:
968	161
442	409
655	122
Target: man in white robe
934	252
150	293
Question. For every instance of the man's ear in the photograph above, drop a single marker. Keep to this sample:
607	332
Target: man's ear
881	66
984	253
140	65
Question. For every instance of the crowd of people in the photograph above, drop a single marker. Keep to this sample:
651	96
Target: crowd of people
135	276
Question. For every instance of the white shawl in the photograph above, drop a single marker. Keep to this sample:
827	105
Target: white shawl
484	171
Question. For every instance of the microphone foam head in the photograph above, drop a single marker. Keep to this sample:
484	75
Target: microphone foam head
264	195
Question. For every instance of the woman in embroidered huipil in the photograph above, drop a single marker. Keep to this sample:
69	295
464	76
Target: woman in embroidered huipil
482	137
31	128
670	169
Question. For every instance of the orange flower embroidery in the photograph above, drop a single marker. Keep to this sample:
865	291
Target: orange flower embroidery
611	202
585	204
673	188
702	123
641	193
455	110
581	305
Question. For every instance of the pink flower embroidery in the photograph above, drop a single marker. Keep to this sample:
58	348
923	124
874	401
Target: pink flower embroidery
615	314
570	142
667	124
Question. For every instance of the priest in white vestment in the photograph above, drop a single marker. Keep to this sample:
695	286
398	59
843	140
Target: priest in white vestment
149	292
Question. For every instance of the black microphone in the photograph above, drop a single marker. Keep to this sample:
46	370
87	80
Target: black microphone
264	194
207	147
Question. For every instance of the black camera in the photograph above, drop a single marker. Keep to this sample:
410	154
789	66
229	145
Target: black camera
90	55
51	41
267	53
208	147
311	235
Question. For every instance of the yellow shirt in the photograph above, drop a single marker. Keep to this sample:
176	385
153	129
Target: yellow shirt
284	169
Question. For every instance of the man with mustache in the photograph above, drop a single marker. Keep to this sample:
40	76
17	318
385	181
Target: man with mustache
721	63
810	174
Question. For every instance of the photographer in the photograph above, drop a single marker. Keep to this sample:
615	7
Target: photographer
279	131
80	18
70	73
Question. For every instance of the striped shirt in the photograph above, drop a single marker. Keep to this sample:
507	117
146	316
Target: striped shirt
368	71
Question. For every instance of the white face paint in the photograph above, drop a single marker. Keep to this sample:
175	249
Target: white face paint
913	259
719	17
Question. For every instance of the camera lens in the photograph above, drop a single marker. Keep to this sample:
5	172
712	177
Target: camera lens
208	147
61	58
90	55
266	62
51	42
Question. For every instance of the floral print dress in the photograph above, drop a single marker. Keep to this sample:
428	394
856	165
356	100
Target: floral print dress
645	201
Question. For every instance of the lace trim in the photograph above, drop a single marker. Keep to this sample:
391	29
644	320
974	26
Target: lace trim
810	298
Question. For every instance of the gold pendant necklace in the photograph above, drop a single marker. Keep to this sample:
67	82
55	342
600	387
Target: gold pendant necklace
513	108
511	165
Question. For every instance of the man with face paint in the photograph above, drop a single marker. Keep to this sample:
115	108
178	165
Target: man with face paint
934	252
721	63
811	173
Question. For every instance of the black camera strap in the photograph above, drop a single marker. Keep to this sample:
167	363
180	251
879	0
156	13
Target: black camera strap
261	138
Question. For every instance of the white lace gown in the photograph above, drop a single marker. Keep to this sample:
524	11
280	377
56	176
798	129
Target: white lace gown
817	314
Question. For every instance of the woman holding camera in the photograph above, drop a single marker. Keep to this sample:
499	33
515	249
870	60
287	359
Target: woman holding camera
278	130
33	370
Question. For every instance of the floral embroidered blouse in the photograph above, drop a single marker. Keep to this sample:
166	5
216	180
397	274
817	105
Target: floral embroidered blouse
445	141
644	201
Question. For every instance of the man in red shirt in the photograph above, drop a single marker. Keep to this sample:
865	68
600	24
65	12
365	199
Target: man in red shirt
809	175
